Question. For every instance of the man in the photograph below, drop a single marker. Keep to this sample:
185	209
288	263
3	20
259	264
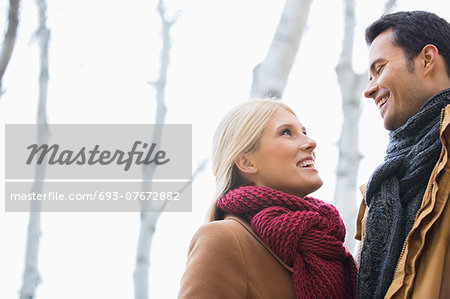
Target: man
404	219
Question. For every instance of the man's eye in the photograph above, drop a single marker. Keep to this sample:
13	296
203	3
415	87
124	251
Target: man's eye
379	69
286	132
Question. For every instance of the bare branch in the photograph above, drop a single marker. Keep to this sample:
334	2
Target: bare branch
9	39
152	83
44	37
162	13
201	166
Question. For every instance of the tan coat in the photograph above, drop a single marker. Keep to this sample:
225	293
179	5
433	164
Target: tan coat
228	260
423	269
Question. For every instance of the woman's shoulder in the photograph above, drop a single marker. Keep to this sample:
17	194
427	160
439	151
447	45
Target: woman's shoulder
236	234
216	266
228	253
221	230
232	234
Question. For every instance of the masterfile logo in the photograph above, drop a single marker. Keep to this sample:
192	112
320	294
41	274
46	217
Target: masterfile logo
98	167
91	157
99	151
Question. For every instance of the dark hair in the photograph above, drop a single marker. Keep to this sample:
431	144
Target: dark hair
413	30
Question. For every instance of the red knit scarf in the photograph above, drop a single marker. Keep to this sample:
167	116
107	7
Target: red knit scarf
307	233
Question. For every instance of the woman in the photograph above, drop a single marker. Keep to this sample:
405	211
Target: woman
266	238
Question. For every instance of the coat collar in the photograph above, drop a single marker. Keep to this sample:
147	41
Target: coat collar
445	139
244	222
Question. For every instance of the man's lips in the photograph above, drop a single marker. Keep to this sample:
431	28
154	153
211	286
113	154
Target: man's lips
381	102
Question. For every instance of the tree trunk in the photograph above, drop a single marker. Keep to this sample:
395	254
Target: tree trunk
352	86
271	75
10	38
31	277
142	268
150	219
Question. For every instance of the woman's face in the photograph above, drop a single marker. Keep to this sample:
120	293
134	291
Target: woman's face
284	158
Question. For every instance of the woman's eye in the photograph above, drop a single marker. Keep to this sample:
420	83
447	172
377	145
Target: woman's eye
304	133
286	132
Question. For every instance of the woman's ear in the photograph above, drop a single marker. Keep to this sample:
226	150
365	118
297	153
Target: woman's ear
245	165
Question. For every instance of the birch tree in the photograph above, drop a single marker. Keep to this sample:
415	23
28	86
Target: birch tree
149	219
389	6
271	75
352	86
31	277
9	39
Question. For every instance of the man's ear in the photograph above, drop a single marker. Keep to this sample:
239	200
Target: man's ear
245	165
429	55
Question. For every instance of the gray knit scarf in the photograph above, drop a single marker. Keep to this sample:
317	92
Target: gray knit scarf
394	195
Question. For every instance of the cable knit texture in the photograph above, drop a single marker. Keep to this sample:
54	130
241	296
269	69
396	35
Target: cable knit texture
394	195
307	233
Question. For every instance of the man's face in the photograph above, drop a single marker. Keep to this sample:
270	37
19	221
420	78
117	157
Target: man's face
398	92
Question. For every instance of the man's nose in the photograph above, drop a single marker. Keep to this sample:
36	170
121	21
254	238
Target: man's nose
371	90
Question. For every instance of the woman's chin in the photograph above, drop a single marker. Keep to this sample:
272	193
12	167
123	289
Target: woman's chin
313	187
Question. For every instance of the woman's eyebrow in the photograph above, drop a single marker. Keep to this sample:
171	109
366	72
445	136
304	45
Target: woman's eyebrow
291	125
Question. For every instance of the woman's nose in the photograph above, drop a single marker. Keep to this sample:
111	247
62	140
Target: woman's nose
308	144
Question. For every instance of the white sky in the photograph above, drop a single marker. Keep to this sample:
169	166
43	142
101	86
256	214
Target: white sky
102	54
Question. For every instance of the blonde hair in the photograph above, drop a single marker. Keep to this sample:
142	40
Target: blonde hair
237	134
